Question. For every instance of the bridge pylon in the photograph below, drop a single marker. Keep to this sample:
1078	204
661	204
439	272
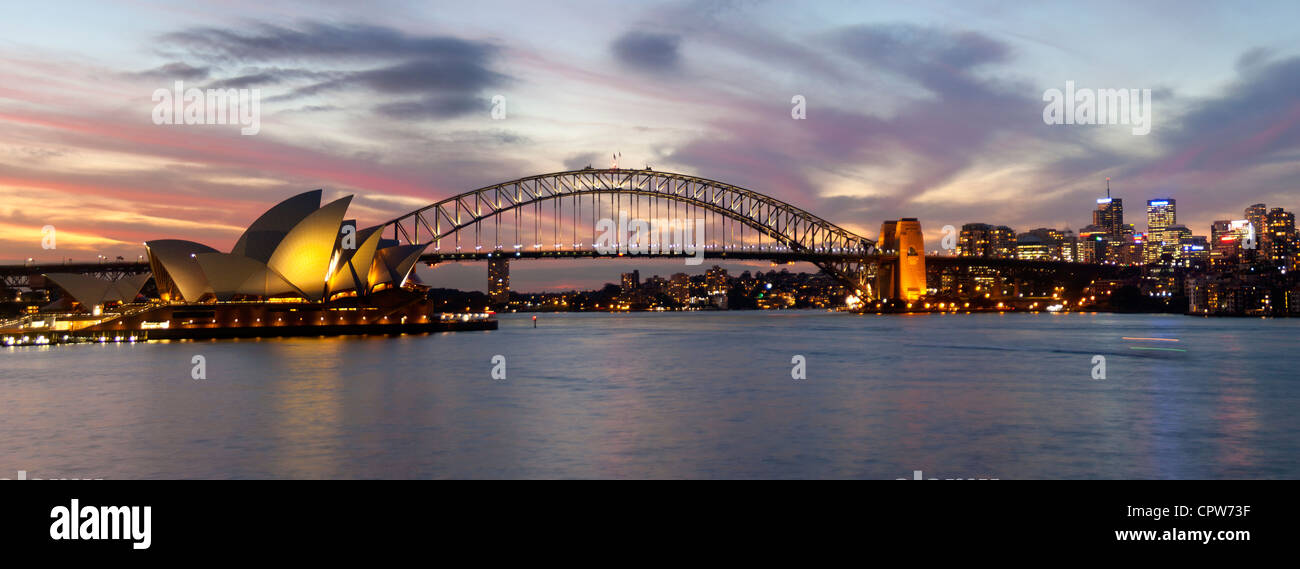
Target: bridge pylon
901	275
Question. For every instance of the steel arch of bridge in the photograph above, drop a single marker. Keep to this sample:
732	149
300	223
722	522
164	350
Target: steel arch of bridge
838	251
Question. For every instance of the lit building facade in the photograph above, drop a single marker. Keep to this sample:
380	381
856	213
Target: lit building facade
499	279
1110	215
631	282
283	255
1281	239
987	241
1162	214
1257	215
904	279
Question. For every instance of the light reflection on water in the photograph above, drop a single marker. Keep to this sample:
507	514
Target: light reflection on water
671	396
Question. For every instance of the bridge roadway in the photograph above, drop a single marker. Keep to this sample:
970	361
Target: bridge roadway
17	276
767	255
118	268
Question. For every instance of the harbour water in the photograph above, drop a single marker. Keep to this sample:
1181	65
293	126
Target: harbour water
675	395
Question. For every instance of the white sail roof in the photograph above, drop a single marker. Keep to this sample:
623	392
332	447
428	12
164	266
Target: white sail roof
261	238
231	274
352	270
303	256
173	261
392	264
292	249
89	290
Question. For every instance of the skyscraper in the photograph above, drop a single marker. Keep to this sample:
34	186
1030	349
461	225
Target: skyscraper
1110	215
1161	215
1224	246
1257	215
1281	239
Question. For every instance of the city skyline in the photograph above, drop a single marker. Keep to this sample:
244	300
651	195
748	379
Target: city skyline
931	111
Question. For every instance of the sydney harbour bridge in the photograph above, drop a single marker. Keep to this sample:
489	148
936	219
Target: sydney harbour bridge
653	214
559	215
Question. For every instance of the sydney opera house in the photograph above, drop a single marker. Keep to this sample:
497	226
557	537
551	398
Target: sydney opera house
299	269
284	254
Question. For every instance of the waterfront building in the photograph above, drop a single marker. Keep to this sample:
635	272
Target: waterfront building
499	279
1033	247
987	241
1043	244
1002	242
283	254
631	282
299	269
716	280
679	288
974	240
93	293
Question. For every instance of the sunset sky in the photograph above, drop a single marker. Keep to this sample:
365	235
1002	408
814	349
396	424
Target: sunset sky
923	109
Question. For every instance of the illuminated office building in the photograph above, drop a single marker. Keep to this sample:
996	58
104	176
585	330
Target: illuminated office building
988	241
1110	215
1281	239
1161	215
1031	247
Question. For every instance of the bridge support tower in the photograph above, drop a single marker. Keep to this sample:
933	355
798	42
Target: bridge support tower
901	275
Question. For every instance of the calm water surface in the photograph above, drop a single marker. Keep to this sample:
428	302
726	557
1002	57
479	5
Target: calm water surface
698	395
